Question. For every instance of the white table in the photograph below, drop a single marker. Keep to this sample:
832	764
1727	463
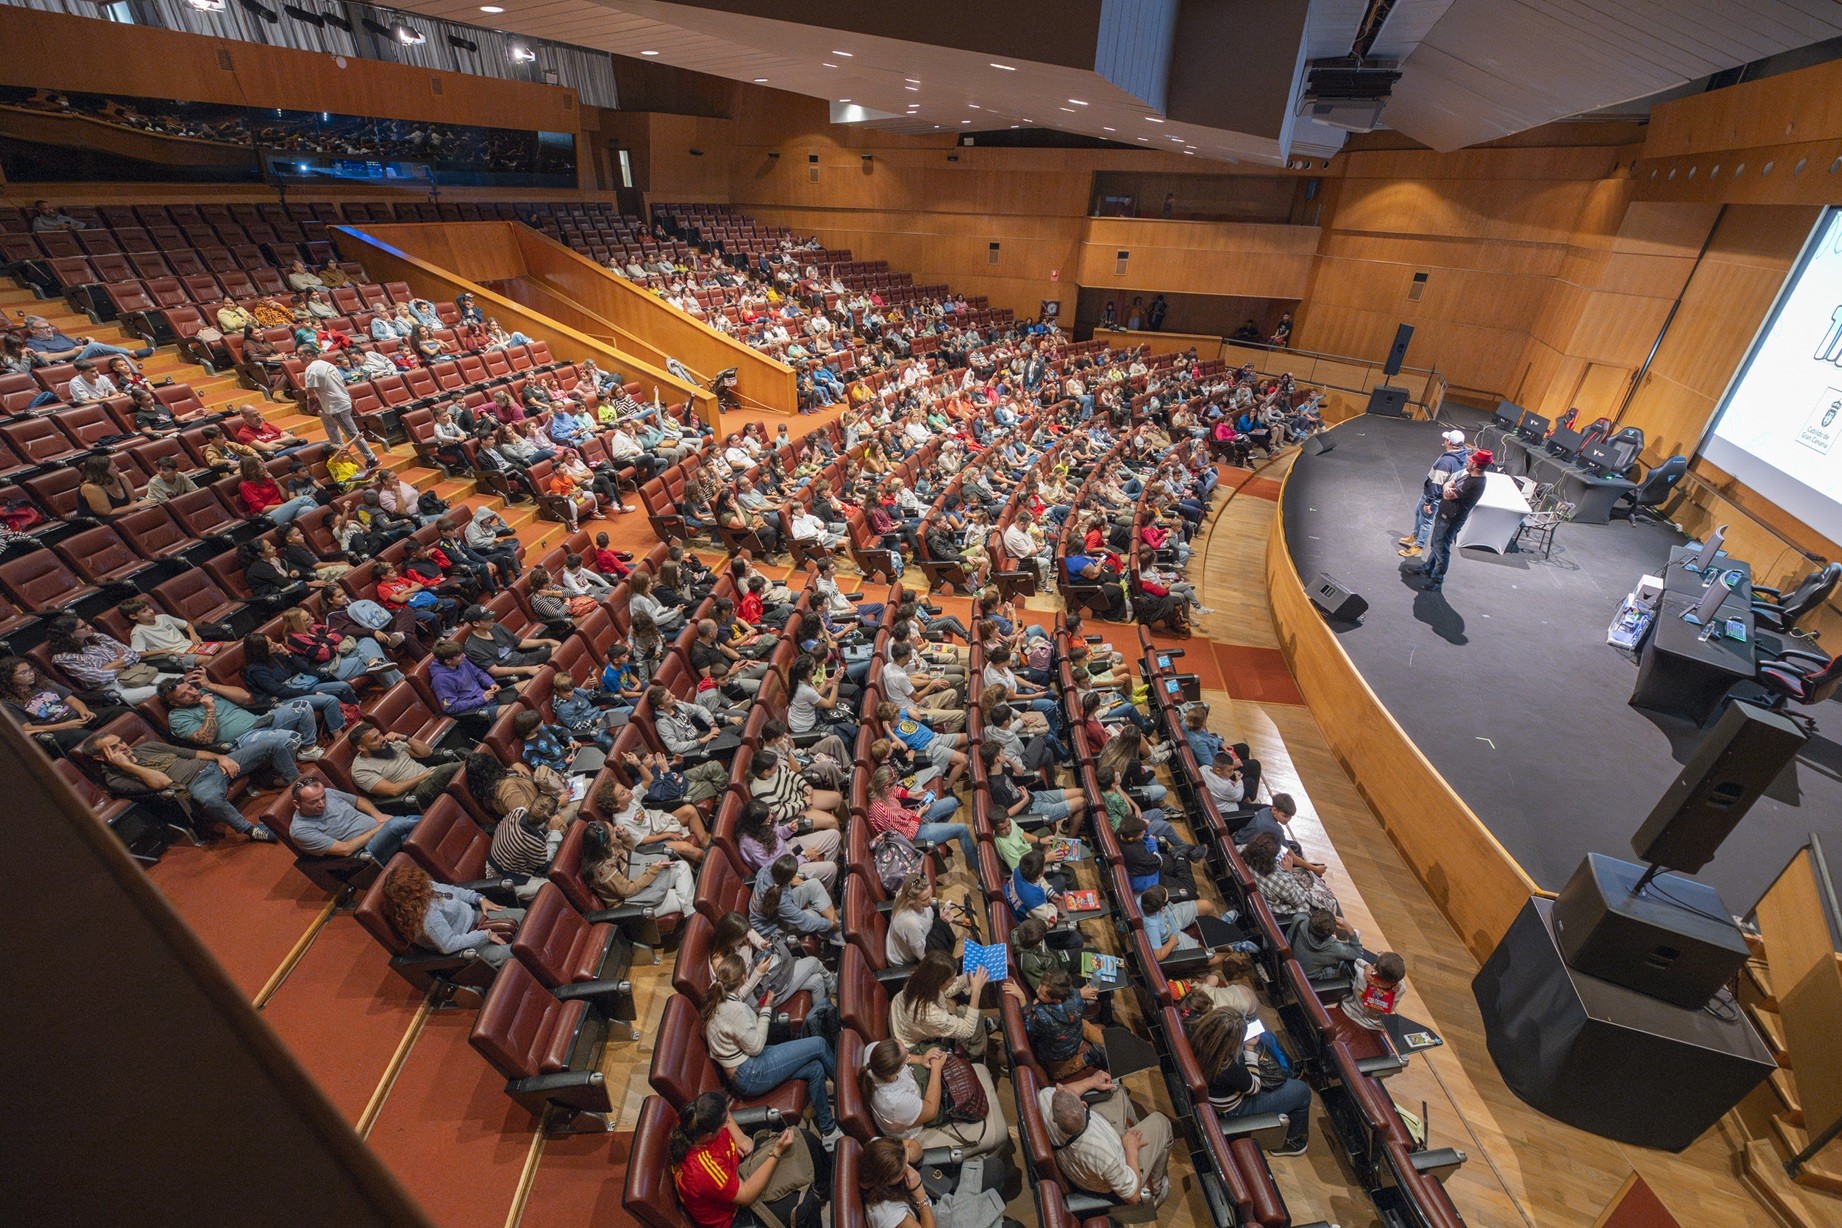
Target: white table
1493	523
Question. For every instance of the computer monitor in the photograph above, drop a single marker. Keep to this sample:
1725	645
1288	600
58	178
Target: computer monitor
1602	456
1565	441
1534	428
1509	414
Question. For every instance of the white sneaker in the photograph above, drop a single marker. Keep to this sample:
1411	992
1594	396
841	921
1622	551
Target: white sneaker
830	1137
1205	609
307	754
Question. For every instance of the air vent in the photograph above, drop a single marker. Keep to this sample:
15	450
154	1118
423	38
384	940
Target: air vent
223	60
1417	288
991	253
434	85
1119	263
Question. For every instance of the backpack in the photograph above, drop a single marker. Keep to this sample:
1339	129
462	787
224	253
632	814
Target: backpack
367	613
428	503
894	859
1038	653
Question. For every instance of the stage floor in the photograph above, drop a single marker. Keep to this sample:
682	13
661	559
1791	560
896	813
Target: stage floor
1504	679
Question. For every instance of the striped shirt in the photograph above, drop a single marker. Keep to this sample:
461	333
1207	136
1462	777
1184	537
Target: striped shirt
519	848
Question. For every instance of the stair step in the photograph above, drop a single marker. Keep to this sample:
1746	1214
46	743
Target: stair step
1784	1086
1824	1171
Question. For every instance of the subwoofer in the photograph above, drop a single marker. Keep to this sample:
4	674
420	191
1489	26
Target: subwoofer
1337	599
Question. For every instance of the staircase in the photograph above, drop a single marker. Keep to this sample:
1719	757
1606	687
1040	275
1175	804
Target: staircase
1771	1120
223	391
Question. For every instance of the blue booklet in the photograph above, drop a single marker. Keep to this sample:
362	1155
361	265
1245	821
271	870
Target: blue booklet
995	959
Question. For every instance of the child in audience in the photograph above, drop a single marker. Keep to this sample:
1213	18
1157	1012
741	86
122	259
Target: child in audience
1029	892
1376	991
551	746
1032	954
577	712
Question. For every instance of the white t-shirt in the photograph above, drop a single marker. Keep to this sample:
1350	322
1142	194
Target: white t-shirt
887	1214
802	709
896	684
327	383
1225	791
906	939
165	634
1018	541
896	1106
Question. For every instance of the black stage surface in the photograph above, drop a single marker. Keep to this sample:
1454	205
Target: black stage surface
1504	679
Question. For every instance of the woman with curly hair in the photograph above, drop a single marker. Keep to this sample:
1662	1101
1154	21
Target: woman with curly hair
438	917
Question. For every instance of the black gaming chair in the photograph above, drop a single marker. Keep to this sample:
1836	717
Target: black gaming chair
1776	611
1654	490
1809	678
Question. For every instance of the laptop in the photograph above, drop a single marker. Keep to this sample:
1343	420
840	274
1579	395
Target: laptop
1534	428
1565	441
1509	415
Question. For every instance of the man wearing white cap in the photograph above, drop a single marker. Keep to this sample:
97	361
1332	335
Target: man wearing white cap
1450	463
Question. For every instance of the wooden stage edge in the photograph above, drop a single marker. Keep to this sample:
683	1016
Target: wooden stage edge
1472	879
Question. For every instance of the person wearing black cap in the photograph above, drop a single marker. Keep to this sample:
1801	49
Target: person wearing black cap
1461	495
499	652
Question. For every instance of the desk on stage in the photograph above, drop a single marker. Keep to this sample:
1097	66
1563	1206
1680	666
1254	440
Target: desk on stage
1497	517
1680	673
1592	496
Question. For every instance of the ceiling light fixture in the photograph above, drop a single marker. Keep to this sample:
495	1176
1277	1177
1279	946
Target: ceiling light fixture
973	105
1077	102
913	89
409	36
829	64
207	6
1105	129
911	81
1005	67
523	55
846	54
760	80
491	8
965	121
1070	110
649	53
1144	138
1154	119
465	44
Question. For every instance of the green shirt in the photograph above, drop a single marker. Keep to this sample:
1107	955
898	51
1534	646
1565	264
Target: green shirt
1012	847
232	721
1035	963
1117	808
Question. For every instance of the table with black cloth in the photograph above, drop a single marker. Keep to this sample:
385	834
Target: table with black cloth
1680	673
1592	496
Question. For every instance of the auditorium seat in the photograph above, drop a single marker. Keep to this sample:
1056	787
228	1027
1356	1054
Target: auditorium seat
195	597
575	958
100	556
682	1068
547	1050
39	581
334	875
421	967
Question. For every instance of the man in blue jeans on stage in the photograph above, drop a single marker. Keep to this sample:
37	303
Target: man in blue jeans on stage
1461	495
1425	511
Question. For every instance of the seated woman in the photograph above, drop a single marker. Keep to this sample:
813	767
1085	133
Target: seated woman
577	501
270	676
928	1012
103	493
104	670
733	935
785	902
274	581
918	923
314	646
260	496
911	1120
641	600
736	1015
621	875
889	811
47	711
450	446
811	707
1241	1084
763	841
720	1173
447	919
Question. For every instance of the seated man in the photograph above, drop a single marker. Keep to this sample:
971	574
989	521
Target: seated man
43	339
504	656
708	650
405	773
200	712
464	690
153	767
252	430
335	824
1085	569
1109	1150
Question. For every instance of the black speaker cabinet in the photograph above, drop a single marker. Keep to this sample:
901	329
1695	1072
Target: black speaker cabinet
1388	400
1321	443
1737	760
1397	353
1605	1058
1673	942
1336	599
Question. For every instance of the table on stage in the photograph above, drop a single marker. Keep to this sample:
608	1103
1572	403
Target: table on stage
1495	521
1680	673
1592	496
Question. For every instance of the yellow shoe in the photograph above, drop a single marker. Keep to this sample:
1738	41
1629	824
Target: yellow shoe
1410	552
1406	541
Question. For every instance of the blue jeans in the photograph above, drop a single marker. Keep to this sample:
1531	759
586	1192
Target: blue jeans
1154	793
282	513
387	841
338	689
326	706
96	349
285	717
939	833
358	662
1439	554
211	788
1293	1098
1422	524
1159	826
947	624
1126	712
809	1058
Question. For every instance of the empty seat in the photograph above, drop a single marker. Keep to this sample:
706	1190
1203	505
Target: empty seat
100	556
38	581
548	1050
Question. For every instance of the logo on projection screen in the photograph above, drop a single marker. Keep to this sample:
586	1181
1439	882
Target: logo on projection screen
1819	433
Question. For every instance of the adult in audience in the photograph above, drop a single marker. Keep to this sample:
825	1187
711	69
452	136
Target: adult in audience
448	919
623	877
928	1012
1109	1149
327	396
736	1015
48	217
44	340
336	824
206	713
1324	944
1245	1080
1287	889
400	770
105	670
720	1172
504	656
911	1120
47	711
154	767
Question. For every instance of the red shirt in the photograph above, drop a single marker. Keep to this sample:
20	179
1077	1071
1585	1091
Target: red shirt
608	564
394	593
750	609
246	433
259	497
709	1180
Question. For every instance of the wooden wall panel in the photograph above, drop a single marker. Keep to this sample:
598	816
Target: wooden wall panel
1234	258
86	55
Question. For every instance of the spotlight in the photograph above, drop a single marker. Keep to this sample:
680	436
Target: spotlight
207	6
409	36
261	10
334	20
300	14
460	44
375	27
523	55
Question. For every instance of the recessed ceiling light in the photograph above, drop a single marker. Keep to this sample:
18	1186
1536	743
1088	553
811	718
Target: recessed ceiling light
844	100
1105	129
973	105
1144	138
829	64
846	54
491	8
760	80
913	89
1005	67
911	81
1190	152
1070	110
1154	119
965	121
1077	102
649	53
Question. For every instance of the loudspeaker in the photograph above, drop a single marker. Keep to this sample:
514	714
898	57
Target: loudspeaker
1397	354
1605	1058
1336	599
1673	942
1321	443
1737	761
1388	400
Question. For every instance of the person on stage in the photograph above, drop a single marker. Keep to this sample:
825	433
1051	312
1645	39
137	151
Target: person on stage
1461	495
1450	462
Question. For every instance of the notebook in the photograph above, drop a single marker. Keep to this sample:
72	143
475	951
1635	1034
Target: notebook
995	959
1064	848
1087	900
1102	971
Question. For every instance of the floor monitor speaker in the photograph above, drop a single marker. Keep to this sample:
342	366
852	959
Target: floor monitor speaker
1336	599
1672	941
1738	759
1389	400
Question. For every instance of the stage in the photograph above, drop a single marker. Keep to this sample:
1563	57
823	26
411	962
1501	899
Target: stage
1505	684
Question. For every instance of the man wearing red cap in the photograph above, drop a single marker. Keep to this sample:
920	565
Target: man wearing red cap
1461	495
